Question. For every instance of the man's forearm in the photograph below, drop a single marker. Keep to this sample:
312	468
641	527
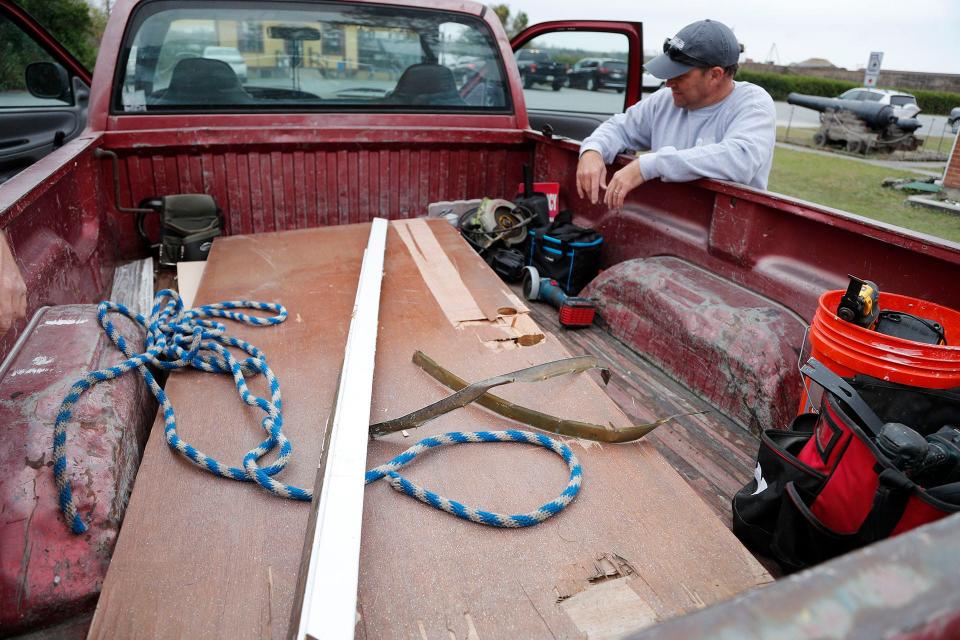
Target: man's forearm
609	139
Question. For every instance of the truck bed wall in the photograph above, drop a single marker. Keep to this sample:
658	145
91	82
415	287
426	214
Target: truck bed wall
787	250
59	232
62	221
273	180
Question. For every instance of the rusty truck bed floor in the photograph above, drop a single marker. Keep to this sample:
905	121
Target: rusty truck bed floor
714	454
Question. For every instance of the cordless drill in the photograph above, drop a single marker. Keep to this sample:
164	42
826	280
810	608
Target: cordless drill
574	310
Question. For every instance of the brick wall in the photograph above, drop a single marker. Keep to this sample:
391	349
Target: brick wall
951	177
888	78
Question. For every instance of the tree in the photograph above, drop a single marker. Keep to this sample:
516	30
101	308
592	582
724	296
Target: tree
514	26
71	22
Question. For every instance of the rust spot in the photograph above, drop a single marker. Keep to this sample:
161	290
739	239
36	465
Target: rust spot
530	339
35	464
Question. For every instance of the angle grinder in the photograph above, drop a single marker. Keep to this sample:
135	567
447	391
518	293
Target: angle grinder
575	311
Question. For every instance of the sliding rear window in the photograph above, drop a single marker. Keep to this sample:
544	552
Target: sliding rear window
254	56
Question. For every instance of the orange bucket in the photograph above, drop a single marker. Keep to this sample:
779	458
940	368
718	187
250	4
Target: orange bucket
848	349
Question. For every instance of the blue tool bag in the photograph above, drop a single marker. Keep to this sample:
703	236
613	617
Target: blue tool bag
565	252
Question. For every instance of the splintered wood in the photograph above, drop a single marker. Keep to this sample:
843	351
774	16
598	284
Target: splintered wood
503	321
200	556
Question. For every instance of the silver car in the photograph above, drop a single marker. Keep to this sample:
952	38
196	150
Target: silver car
904	104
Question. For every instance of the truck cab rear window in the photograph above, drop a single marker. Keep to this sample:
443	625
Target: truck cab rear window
242	56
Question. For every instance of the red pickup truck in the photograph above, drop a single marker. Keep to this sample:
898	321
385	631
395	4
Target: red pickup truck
348	113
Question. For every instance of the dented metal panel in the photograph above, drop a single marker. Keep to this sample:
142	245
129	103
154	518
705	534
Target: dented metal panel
46	573
737	349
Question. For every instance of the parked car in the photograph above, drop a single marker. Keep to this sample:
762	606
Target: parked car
954	119
466	67
904	104
651	83
537	67
230	55
593	74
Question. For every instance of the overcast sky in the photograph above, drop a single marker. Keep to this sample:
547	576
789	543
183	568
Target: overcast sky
921	35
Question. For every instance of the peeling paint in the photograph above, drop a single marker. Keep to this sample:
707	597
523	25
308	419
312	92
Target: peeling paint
28	372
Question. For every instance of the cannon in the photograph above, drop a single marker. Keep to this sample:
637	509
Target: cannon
859	125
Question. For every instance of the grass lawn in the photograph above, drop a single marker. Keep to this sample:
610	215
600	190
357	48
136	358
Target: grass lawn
856	187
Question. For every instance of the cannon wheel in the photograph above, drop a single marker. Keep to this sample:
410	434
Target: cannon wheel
819	139
855	146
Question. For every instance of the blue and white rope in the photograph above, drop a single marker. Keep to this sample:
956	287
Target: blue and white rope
177	339
534	517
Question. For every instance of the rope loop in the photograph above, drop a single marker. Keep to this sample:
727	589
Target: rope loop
178	339
538	515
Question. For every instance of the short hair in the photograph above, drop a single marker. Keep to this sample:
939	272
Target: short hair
731	70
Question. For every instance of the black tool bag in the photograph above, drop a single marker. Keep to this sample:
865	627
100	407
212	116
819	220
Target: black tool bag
507	263
188	225
831	484
565	252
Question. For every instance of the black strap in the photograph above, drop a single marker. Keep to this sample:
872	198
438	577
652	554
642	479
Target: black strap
834	384
889	504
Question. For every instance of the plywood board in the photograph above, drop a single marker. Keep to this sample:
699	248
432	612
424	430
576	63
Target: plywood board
204	557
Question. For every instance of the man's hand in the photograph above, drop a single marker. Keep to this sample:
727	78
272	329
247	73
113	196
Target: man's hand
13	292
622	183
591	175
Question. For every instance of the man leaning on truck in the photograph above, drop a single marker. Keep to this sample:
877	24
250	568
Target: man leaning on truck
706	125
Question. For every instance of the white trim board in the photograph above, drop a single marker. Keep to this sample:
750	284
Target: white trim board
330	588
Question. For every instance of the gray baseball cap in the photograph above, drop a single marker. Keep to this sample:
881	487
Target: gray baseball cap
705	43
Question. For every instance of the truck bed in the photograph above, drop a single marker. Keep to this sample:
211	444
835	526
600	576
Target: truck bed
637	543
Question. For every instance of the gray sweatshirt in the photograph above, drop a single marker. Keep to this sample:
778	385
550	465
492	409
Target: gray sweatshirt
731	140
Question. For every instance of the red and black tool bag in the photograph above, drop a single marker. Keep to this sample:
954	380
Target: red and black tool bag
823	487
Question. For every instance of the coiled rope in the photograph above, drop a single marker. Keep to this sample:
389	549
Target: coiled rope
178	339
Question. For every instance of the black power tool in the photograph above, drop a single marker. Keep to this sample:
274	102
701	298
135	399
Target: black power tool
861	303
